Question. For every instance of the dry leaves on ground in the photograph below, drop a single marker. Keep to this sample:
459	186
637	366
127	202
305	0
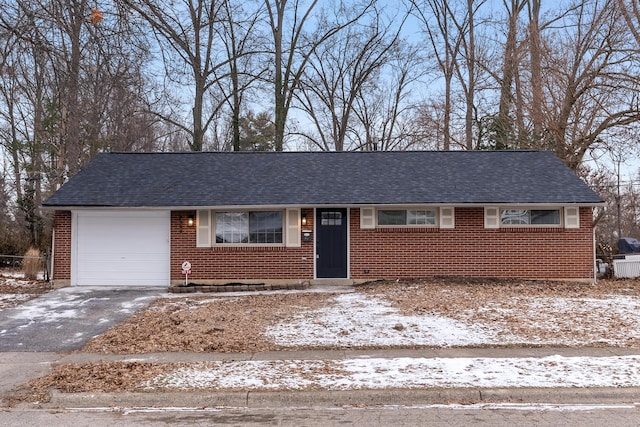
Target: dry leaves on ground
90	377
527	309
237	324
204	324
533	310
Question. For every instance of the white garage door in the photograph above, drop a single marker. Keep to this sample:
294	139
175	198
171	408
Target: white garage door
121	248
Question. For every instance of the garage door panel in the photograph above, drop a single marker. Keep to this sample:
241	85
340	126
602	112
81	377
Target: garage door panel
122	248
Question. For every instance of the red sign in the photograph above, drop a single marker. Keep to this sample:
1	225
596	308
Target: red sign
186	271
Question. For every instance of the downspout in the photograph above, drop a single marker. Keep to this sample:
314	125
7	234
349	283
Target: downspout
593	258
53	253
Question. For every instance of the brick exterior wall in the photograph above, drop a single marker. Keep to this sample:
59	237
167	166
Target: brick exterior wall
472	250
237	264
62	248
467	250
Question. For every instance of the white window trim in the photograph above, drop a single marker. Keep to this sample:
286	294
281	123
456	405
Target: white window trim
436	223
285	230
493	217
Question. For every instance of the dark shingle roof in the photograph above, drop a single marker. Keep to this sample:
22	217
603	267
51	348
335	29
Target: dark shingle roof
321	178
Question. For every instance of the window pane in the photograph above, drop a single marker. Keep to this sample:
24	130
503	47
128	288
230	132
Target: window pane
530	217
331	218
232	227
265	227
550	216
514	216
392	217
421	217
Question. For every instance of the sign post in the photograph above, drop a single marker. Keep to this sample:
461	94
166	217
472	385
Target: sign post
186	270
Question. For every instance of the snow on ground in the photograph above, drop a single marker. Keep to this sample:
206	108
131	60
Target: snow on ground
591	316
68	304
18	276
16	281
361	320
358	320
10	300
15	289
376	373
51	309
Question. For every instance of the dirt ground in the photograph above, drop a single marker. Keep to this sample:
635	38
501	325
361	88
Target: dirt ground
202	323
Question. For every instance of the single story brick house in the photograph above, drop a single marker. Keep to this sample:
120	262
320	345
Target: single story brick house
133	219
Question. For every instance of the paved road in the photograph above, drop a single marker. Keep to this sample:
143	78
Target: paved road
65	319
445	416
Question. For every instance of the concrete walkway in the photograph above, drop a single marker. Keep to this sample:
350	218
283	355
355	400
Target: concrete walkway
17	368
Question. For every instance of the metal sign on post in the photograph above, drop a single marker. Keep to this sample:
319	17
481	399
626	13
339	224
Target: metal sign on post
186	270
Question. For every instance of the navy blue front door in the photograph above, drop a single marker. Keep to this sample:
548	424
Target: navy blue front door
331	243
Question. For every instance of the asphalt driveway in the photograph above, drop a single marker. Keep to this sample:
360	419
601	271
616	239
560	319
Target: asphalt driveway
65	319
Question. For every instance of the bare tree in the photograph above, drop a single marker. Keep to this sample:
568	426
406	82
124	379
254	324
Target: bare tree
387	107
63	81
294	45
239	30
186	32
504	124
469	84
337	73
436	18
535	55
630	11
594	89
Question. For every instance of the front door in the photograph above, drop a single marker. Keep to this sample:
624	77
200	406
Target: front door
331	243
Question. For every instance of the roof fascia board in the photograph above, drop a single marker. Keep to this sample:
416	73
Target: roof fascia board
348	205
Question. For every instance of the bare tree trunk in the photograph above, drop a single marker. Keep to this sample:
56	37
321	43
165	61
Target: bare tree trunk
76	11
521	137
471	77
200	79
236	94
446	48
276	17
504	123
291	59
536	69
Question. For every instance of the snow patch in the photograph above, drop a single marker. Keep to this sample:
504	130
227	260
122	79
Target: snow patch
360	320
377	373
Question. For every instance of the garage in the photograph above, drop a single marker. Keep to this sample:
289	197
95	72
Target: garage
124	248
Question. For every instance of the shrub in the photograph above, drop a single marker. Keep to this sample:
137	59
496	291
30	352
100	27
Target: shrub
31	265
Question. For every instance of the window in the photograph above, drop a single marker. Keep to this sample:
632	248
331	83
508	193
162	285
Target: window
331	218
249	227
530	217
407	217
